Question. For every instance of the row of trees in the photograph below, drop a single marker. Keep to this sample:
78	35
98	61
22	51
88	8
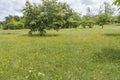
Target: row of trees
104	16
52	14
117	2
12	22
56	15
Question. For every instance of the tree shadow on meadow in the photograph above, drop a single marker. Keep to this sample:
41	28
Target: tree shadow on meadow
38	35
107	55
8	33
112	34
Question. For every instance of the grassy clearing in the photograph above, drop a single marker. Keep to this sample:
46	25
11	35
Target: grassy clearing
70	54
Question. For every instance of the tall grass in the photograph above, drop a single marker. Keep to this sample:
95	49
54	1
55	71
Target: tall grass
70	54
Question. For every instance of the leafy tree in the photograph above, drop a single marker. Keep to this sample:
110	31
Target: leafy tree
108	9
83	23
102	19
87	20
105	15
71	18
8	18
115	19
17	18
77	19
116	2
90	23
49	15
74	20
118	19
67	15
13	22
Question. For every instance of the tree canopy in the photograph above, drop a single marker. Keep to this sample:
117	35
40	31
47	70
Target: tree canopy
50	14
102	19
116	2
13	22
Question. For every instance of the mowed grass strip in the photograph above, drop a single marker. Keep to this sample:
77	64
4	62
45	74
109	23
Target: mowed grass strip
70	54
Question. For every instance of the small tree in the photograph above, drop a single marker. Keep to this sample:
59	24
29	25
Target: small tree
13	22
74	20
102	19
90	23
87	21
83	23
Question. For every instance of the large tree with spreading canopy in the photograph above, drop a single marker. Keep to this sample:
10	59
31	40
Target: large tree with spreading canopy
51	14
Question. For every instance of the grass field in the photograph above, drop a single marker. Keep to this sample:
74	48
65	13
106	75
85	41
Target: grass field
70	54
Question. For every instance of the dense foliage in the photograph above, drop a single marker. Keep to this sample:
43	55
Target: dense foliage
87	21
52	14
104	16
117	2
49	15
102	19
13	22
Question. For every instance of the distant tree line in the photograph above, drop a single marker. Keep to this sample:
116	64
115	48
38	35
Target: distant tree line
12	22
105	16
52	14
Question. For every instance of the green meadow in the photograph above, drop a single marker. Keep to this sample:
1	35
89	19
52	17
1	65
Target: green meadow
69	54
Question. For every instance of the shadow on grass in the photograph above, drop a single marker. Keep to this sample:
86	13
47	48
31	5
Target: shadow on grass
107	55
8	33
112	34
38	35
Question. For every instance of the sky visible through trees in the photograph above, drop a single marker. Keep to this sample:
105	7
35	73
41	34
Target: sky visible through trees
13	7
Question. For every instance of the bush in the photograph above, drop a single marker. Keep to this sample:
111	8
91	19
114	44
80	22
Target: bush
14	25
83	24
90	23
